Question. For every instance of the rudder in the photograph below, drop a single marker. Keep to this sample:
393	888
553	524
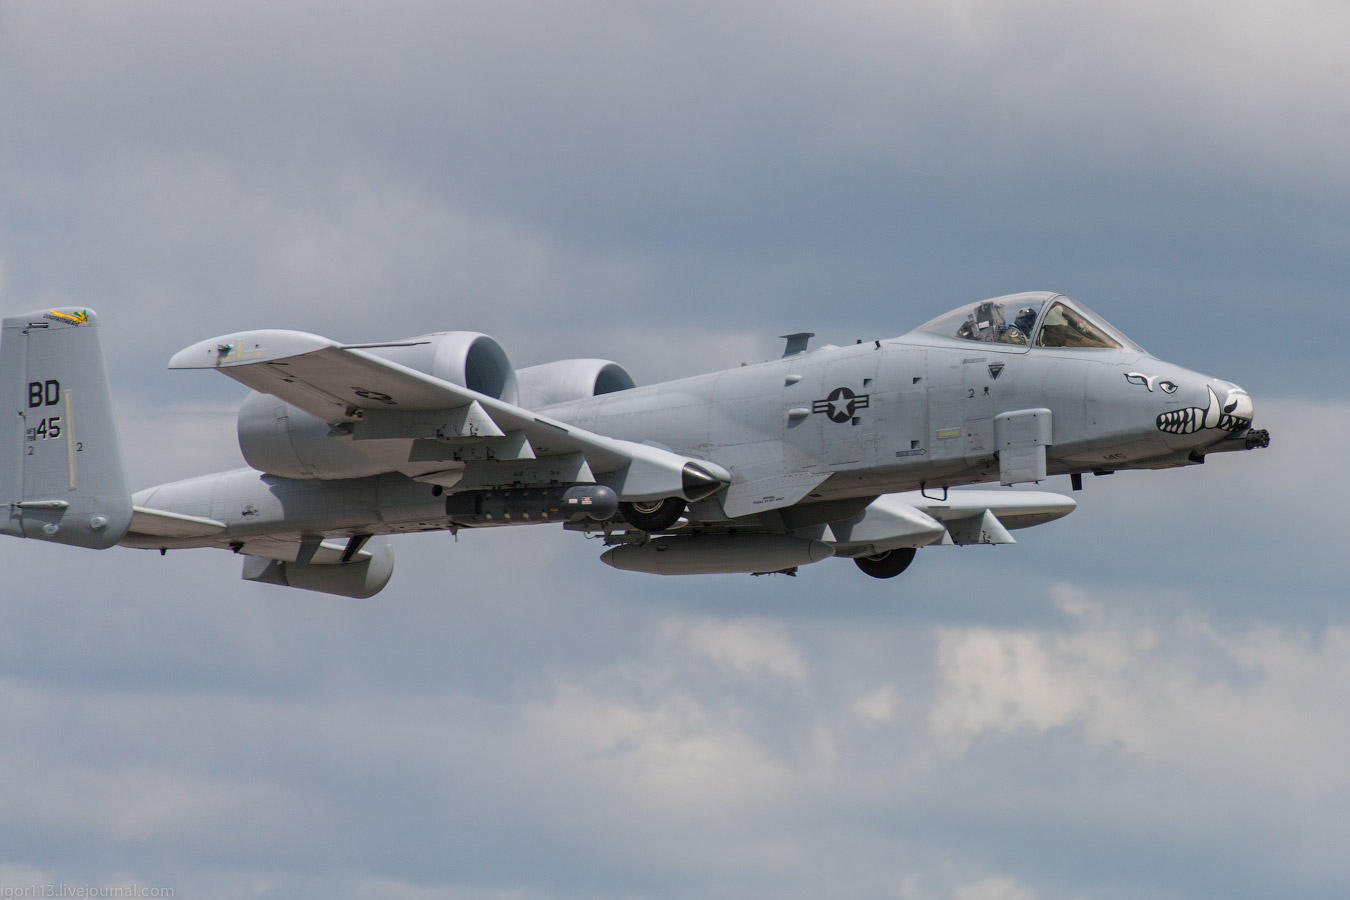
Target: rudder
61	476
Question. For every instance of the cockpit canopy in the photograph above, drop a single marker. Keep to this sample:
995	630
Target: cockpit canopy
1033	319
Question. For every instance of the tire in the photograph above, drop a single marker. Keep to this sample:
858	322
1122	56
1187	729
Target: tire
657	515
888	564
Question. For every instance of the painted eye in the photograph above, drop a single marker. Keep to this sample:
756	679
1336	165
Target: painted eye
1168	386
1230	407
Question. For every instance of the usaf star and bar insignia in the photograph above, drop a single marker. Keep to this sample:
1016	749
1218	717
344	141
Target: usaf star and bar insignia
841	404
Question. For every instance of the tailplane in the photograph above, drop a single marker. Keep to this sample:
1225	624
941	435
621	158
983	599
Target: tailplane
61	476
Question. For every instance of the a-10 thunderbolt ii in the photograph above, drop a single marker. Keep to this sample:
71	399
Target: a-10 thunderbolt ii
832	452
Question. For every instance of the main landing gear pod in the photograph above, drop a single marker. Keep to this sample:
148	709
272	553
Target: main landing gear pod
658	515
653	515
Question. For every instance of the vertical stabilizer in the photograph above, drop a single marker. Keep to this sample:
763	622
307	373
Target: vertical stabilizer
61	475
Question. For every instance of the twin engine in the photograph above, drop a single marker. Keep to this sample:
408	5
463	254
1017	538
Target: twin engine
281	439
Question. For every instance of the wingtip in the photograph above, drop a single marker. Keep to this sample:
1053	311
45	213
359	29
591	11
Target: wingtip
246	347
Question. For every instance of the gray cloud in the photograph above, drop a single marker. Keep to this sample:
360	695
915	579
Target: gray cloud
1002	723
885	164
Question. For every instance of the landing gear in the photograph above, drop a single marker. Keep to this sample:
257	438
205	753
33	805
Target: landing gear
654	515
888	564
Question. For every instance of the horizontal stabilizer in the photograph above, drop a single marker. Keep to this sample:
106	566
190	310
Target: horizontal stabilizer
159	523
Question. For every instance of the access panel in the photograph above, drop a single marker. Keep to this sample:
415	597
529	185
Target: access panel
1020	437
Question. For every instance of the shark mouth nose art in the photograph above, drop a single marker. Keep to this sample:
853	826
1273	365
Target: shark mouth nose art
1235	414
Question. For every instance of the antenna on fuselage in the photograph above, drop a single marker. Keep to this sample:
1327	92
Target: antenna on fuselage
796	342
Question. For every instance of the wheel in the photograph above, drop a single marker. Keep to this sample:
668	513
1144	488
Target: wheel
654	515
888	564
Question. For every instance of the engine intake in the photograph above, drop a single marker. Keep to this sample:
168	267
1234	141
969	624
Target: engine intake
466	358
570	379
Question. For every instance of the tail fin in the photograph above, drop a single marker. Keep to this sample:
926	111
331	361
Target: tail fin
61	476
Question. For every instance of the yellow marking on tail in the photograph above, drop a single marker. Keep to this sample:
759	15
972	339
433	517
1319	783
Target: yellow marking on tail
78	318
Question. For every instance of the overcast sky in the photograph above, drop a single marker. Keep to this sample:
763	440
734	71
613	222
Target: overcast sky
1148	698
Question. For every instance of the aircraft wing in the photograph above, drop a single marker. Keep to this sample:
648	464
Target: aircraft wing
368	398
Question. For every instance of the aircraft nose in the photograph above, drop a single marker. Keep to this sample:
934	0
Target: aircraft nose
1227	408
1237	410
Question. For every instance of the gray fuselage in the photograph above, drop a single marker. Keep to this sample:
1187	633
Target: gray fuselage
913	411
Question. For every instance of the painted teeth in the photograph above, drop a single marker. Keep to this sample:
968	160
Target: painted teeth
1181	421
1193	418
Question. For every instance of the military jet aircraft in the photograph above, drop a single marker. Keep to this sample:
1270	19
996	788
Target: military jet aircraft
833	452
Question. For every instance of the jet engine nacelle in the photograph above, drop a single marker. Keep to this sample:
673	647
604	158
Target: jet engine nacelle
280	439
570	379
466	358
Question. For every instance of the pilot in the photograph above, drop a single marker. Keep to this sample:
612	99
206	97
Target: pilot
1019	332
